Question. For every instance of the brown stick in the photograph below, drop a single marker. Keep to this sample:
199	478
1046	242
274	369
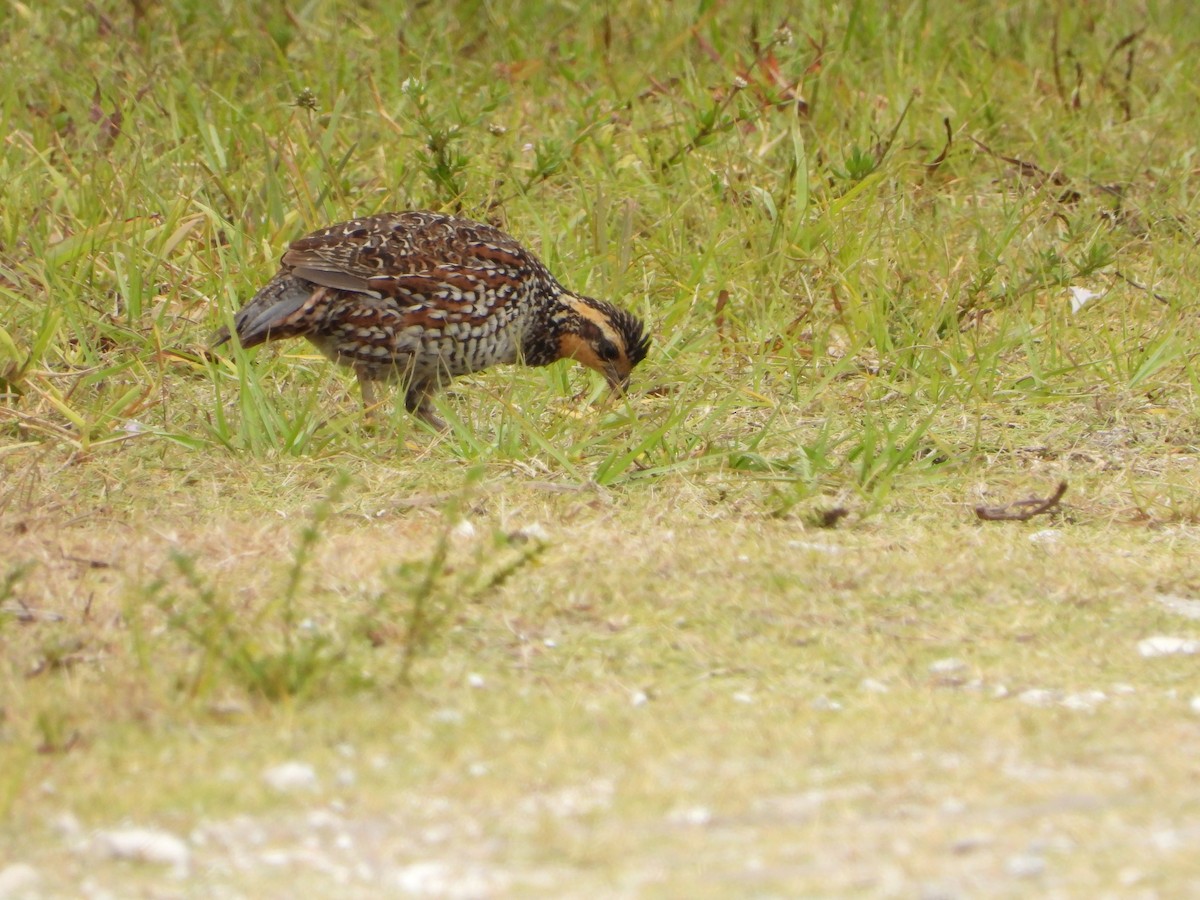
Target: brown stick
1022	510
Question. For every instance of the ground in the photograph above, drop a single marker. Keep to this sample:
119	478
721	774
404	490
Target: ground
743	632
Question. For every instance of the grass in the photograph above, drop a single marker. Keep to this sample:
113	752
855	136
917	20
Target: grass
691	643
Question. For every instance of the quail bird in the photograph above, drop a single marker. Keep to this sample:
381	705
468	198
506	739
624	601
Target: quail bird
422	297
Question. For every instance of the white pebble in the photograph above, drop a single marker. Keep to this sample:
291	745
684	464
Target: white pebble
1037	697
476	680
743	697
872	686
1182	606
1085	700
1027	865
67	825
639	698
18	880
946	666
1046	537
692	815
831	549
1129	876
145	845
535	531
464	532
1195	704
291	776
1164	645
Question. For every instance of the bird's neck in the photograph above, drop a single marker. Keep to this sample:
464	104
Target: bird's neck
541	343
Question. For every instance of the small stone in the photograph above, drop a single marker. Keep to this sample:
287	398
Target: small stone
825	703
1085	701
67	825
464	532
228	708
475	680
966	845
145	845
18	880
872	686
831	549
1195	704
946	666
291	776
691	815
535	531
1167	840
1037	697
1026	865
639	698
1130	876
1165	645
743	697
1183	606
1047	537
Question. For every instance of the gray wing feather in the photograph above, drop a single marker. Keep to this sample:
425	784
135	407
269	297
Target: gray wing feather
338	280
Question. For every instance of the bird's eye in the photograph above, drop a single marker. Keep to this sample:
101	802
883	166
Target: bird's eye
607	351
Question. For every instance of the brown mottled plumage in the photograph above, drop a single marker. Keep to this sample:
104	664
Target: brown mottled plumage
423	297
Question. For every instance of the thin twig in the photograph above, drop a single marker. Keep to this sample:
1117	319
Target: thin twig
1022	510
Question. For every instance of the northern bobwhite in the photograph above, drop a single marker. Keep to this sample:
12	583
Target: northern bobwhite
421	297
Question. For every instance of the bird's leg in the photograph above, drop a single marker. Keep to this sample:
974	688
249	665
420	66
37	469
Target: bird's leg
366	385
418	401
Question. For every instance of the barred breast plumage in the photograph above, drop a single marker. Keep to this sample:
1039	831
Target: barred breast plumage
423	297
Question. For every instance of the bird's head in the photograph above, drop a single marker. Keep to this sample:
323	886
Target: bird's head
602	337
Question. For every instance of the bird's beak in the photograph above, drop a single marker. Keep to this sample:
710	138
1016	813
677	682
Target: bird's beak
616	380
